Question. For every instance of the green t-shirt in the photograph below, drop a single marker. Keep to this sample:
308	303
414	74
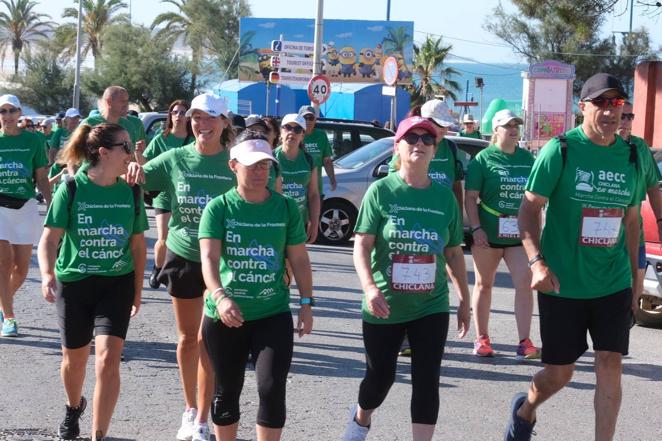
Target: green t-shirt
500	179
157	146
650	175
296	175
60	138
444	169
583	239
412	227
138	127
475	134
317	145
43	139
254	238
20	156
98	229
192	180
135	133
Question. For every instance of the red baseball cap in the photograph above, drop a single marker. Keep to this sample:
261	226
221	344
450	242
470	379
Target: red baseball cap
414	122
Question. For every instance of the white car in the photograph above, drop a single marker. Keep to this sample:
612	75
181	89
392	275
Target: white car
354	174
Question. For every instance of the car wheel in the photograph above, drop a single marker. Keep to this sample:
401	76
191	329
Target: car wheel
337	222
650	311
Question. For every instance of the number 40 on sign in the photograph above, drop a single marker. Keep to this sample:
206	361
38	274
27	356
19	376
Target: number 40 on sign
319	89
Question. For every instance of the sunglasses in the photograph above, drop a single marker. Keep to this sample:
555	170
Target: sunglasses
126	145
178	112
629	116
309	117
413	138
296	129
604	103
10	111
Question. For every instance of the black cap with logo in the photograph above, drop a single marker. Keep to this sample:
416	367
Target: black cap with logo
599	84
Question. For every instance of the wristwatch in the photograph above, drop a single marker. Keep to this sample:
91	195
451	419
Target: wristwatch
307	301
535	258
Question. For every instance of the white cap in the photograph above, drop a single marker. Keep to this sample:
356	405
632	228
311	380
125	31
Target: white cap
503	117
468	117
72	112
438	111
294	118
10	99
251	151
209	103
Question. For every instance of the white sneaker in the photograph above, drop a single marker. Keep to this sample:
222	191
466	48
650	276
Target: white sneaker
200	432
185	432
355	431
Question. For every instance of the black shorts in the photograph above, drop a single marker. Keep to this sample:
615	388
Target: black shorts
158	211
96	305
501	246
183	277
564	323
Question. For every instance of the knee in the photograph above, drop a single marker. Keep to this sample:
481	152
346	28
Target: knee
608	362
225	409
558	376
484	286
73	364
20	272
188	341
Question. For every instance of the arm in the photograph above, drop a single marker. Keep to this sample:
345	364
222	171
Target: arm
41	178
471	206
529	220
377	304
56	178
458	273
330	172
298	257
51	155
139	254
47	254
631	223
313	207
210	258
655	200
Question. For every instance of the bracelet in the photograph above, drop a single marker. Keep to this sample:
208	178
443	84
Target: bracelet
535	259
221	297
474	229
307	301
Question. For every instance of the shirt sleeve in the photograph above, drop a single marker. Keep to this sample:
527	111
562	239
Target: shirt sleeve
157	173
152	150
474	178
212	225
40	158
370	216
546	170
456	226
296	233
58	212
140	223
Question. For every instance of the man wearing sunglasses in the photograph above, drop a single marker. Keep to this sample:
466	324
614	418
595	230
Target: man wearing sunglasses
317	145
584	263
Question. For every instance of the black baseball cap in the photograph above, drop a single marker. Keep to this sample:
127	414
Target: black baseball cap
308	110
599	84
238	121
255	120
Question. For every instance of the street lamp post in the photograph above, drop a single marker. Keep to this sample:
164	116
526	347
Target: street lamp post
76	100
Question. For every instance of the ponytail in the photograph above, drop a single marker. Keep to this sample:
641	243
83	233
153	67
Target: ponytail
75	151
86	141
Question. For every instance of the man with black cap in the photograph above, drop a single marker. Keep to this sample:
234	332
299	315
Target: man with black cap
316	144
585	263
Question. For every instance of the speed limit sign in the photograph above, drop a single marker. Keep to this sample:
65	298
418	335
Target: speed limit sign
319	89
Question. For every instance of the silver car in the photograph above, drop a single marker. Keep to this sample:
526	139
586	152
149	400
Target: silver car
354	174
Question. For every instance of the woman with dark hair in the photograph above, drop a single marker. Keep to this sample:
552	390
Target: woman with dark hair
177	133
192	175
274	131
95	280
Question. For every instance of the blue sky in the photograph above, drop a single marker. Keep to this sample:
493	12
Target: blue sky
460	22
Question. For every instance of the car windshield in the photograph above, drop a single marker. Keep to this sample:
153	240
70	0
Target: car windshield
364	154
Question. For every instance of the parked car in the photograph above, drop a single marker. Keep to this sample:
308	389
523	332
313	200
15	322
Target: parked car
345	136
154	123
354	174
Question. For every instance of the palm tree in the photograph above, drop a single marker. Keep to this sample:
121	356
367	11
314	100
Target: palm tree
432	76
98	15
20	26
247	54
395	43
183	24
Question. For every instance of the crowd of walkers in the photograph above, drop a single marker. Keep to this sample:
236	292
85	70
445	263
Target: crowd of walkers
237	200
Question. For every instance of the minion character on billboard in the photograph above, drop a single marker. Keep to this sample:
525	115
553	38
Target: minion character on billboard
347	61
332	62
264	65
379	54
367	61
403	72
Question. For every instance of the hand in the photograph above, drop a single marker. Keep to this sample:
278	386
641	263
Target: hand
137	301
377	304
463	318
140	146
543	279
305	322
49	288
312	228
230	313
135	174
480	239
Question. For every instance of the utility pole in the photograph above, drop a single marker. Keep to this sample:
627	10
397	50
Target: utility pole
631	13
319	37
76	102
388	10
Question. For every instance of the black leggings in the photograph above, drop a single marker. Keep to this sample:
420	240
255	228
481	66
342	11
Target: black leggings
427	338
270	341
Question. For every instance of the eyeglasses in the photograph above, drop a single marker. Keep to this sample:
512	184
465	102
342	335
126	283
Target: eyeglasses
296	129
262	165
629	116
178	112
604	103
10	111
126	145
413	138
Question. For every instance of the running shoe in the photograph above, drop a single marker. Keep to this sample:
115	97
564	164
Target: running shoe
483	347
526	350
153	278
69	427
9	328
355	431
200	432
185	432
518	429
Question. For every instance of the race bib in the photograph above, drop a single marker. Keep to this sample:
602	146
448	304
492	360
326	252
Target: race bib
508	228
413	273
600	226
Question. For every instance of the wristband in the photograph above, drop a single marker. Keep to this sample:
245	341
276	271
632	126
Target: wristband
307	301
474	229
221	297
535	259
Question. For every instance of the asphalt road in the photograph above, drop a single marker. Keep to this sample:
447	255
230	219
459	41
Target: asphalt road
326	371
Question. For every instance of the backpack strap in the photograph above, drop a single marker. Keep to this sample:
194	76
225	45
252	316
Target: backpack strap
70	182
137	194
309	159
564	148
633	155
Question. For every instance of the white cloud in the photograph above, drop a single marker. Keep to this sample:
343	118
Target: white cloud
376	28
269	25
344	35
